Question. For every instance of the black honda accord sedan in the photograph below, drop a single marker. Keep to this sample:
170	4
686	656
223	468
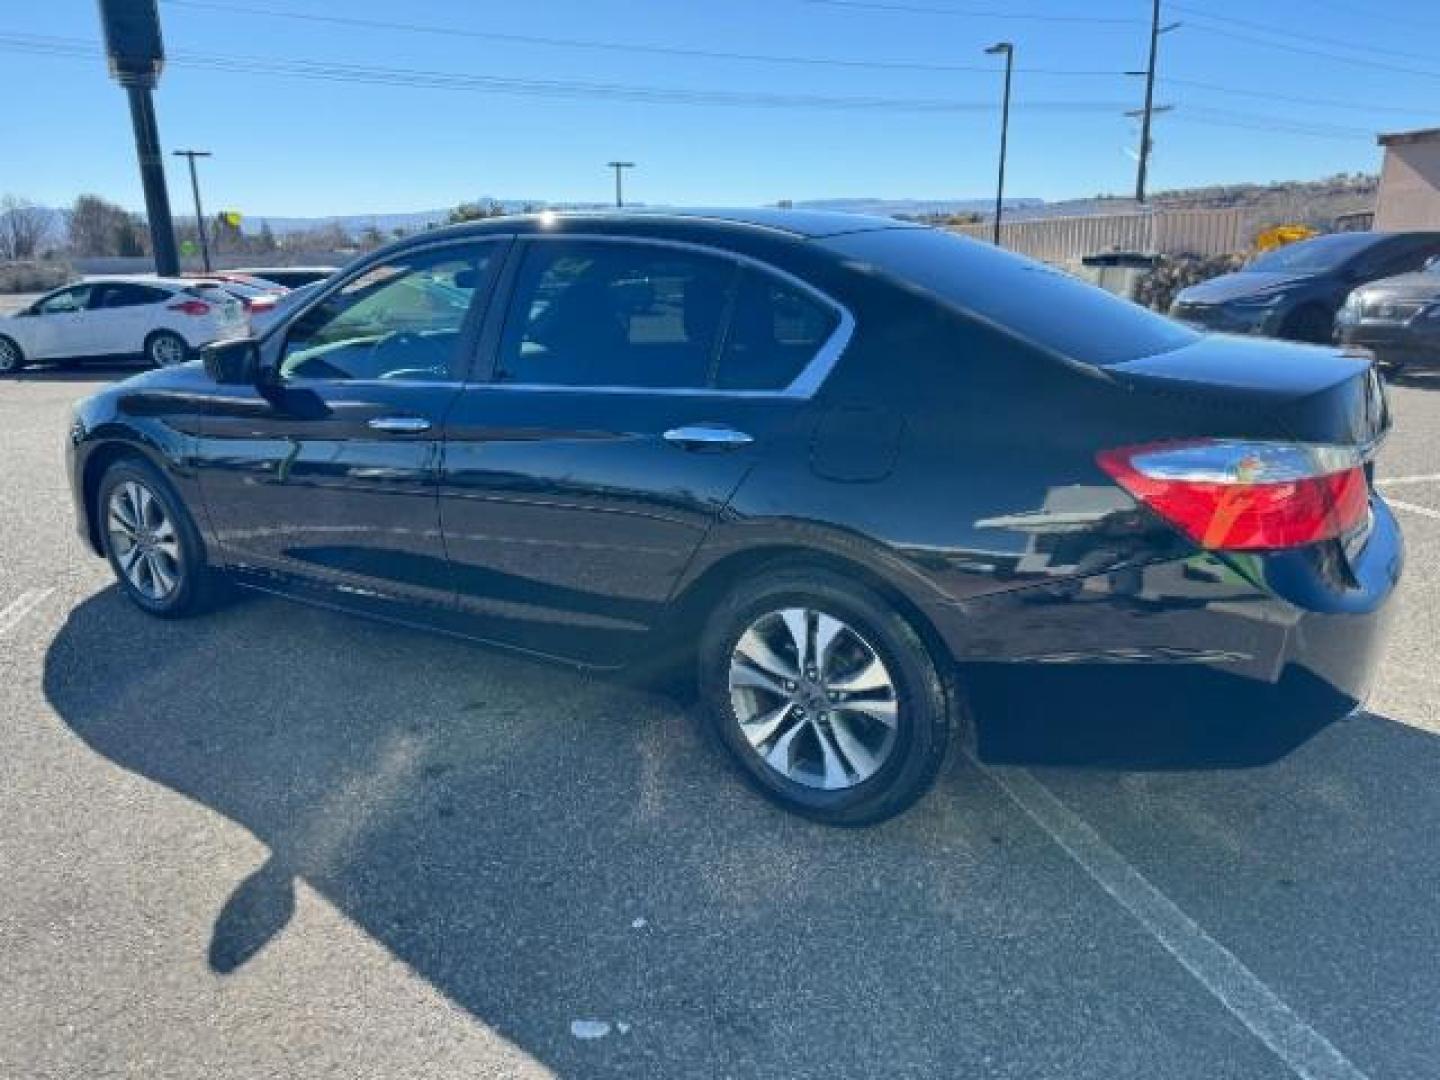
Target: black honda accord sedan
836	461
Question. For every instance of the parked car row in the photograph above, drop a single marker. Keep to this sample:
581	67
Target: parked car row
162	319
1377	290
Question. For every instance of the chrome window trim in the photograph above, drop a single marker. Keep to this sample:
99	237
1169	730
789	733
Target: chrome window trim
438	384
804	386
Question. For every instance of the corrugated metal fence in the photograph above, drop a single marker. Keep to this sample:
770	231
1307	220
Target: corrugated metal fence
1163	232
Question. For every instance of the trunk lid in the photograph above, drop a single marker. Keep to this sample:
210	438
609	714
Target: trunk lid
1263	388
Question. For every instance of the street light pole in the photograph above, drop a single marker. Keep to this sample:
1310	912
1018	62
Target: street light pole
619	188
199	211
1008	49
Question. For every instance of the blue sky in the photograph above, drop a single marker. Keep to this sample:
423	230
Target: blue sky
286	145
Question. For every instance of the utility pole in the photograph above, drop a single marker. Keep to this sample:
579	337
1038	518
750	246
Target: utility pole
199	211
618	166
1008	50
1148	112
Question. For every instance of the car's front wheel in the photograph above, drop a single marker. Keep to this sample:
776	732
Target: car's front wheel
11	358
824	695
166	349
152	542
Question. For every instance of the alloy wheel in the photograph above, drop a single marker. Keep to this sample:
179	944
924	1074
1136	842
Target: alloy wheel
9	356
813	698
144	540
167	350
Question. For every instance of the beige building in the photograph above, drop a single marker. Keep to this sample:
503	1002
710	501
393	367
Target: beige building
1409	195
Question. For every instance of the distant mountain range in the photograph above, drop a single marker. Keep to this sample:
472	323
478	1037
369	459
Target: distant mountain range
415	221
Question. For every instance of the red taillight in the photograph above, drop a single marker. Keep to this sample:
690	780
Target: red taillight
191	307
1246	496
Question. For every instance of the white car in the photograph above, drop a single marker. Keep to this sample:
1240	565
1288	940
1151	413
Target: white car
163	319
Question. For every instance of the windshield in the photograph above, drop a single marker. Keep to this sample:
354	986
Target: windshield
1038	303
1315	255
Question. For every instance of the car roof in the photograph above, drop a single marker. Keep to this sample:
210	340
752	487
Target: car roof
1375	236
134	279
799	224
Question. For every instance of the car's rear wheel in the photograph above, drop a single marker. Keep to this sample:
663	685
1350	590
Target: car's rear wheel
11	358
824	695
166	349
152	542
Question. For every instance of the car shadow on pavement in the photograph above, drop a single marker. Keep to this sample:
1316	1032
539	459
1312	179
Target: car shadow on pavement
543	846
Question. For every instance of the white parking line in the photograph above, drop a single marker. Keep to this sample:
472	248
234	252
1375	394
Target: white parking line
17	609
1423	511
1308	1053
1390	481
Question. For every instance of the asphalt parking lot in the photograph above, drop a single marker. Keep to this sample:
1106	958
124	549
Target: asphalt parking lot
281	842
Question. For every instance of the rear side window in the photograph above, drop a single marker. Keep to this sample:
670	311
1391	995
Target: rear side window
122	295
775	330
1402	255
587	313
1043	305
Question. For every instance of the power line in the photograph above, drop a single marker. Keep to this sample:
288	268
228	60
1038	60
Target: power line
565	88
1291	35
86	50
974	13
1369	13
1266	95
1254	122
1236	35
1270	28
601	45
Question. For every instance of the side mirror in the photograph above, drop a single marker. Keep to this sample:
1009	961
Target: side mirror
232	363
1433	263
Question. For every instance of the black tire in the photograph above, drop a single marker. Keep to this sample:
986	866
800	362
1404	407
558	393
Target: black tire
12	357
165	348
1310	324
197	586
926	715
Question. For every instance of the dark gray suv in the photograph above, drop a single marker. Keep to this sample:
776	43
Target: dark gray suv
1296	291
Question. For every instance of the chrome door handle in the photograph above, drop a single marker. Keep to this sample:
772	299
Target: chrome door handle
707	436
400	425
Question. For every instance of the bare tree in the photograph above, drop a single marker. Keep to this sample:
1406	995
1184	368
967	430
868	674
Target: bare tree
24	227
98	227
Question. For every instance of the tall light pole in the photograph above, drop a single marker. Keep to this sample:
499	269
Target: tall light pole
1149	110
199	211
1008	50
137	55
619	166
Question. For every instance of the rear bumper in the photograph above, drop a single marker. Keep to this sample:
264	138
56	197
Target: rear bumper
1251	621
